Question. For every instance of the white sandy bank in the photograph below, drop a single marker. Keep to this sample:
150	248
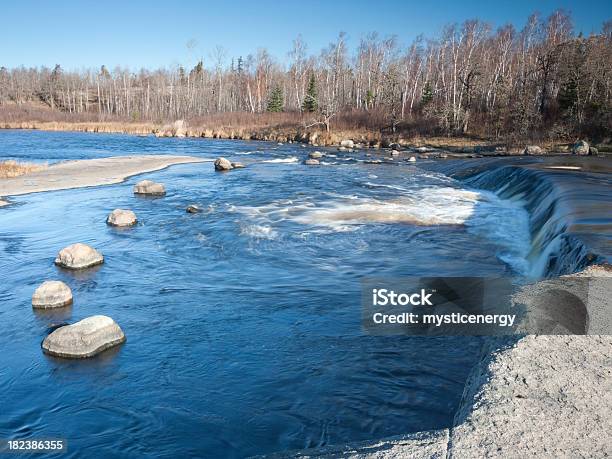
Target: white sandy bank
88	172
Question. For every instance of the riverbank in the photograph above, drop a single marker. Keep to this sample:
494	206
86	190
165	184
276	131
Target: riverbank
290	133
271	133
90	172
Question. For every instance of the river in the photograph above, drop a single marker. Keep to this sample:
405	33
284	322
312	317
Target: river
243	321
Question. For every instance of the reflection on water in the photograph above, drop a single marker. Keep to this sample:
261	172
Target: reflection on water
242	321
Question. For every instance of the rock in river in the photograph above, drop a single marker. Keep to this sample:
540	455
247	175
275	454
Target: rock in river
149	187
237	165
85	338
222	164
193	209
312	162
347	144
78	256
580	148
121	217
532	150
51	294
315	155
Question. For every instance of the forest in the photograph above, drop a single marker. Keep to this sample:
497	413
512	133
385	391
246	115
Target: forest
540	82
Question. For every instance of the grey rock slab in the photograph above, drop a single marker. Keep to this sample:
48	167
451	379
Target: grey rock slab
223	164
52	294
148	187
78	256
84	339
121	217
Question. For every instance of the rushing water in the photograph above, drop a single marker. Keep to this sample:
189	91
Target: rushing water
243	321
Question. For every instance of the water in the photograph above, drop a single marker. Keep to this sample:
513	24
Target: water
243	321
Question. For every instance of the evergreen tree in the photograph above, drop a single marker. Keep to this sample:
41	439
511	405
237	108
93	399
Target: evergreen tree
427	94
197	70
568	96
275	102
310	101
240	68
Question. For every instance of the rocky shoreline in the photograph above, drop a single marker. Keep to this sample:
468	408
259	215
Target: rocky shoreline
295	134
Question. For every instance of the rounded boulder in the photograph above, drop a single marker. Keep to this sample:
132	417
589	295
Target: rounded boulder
83	339
78	256
315	155
121	217
52	294
148	187
312	162
533	150
580	148
222	164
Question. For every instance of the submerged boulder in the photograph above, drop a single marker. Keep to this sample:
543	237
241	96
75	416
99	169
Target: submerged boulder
315	155
83	339
580	148
78	256
533	150
121	217
52	294
193	209
237	165
222	164
312	162
148	187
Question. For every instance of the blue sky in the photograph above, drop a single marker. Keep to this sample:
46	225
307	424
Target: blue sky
79	34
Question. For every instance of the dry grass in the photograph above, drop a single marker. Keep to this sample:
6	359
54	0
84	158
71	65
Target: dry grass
10	169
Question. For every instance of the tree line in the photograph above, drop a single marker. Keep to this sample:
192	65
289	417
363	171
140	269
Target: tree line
541	80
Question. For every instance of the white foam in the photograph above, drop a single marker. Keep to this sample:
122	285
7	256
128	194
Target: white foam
506	223
503	222
382	185
429	206
290	159
259	231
